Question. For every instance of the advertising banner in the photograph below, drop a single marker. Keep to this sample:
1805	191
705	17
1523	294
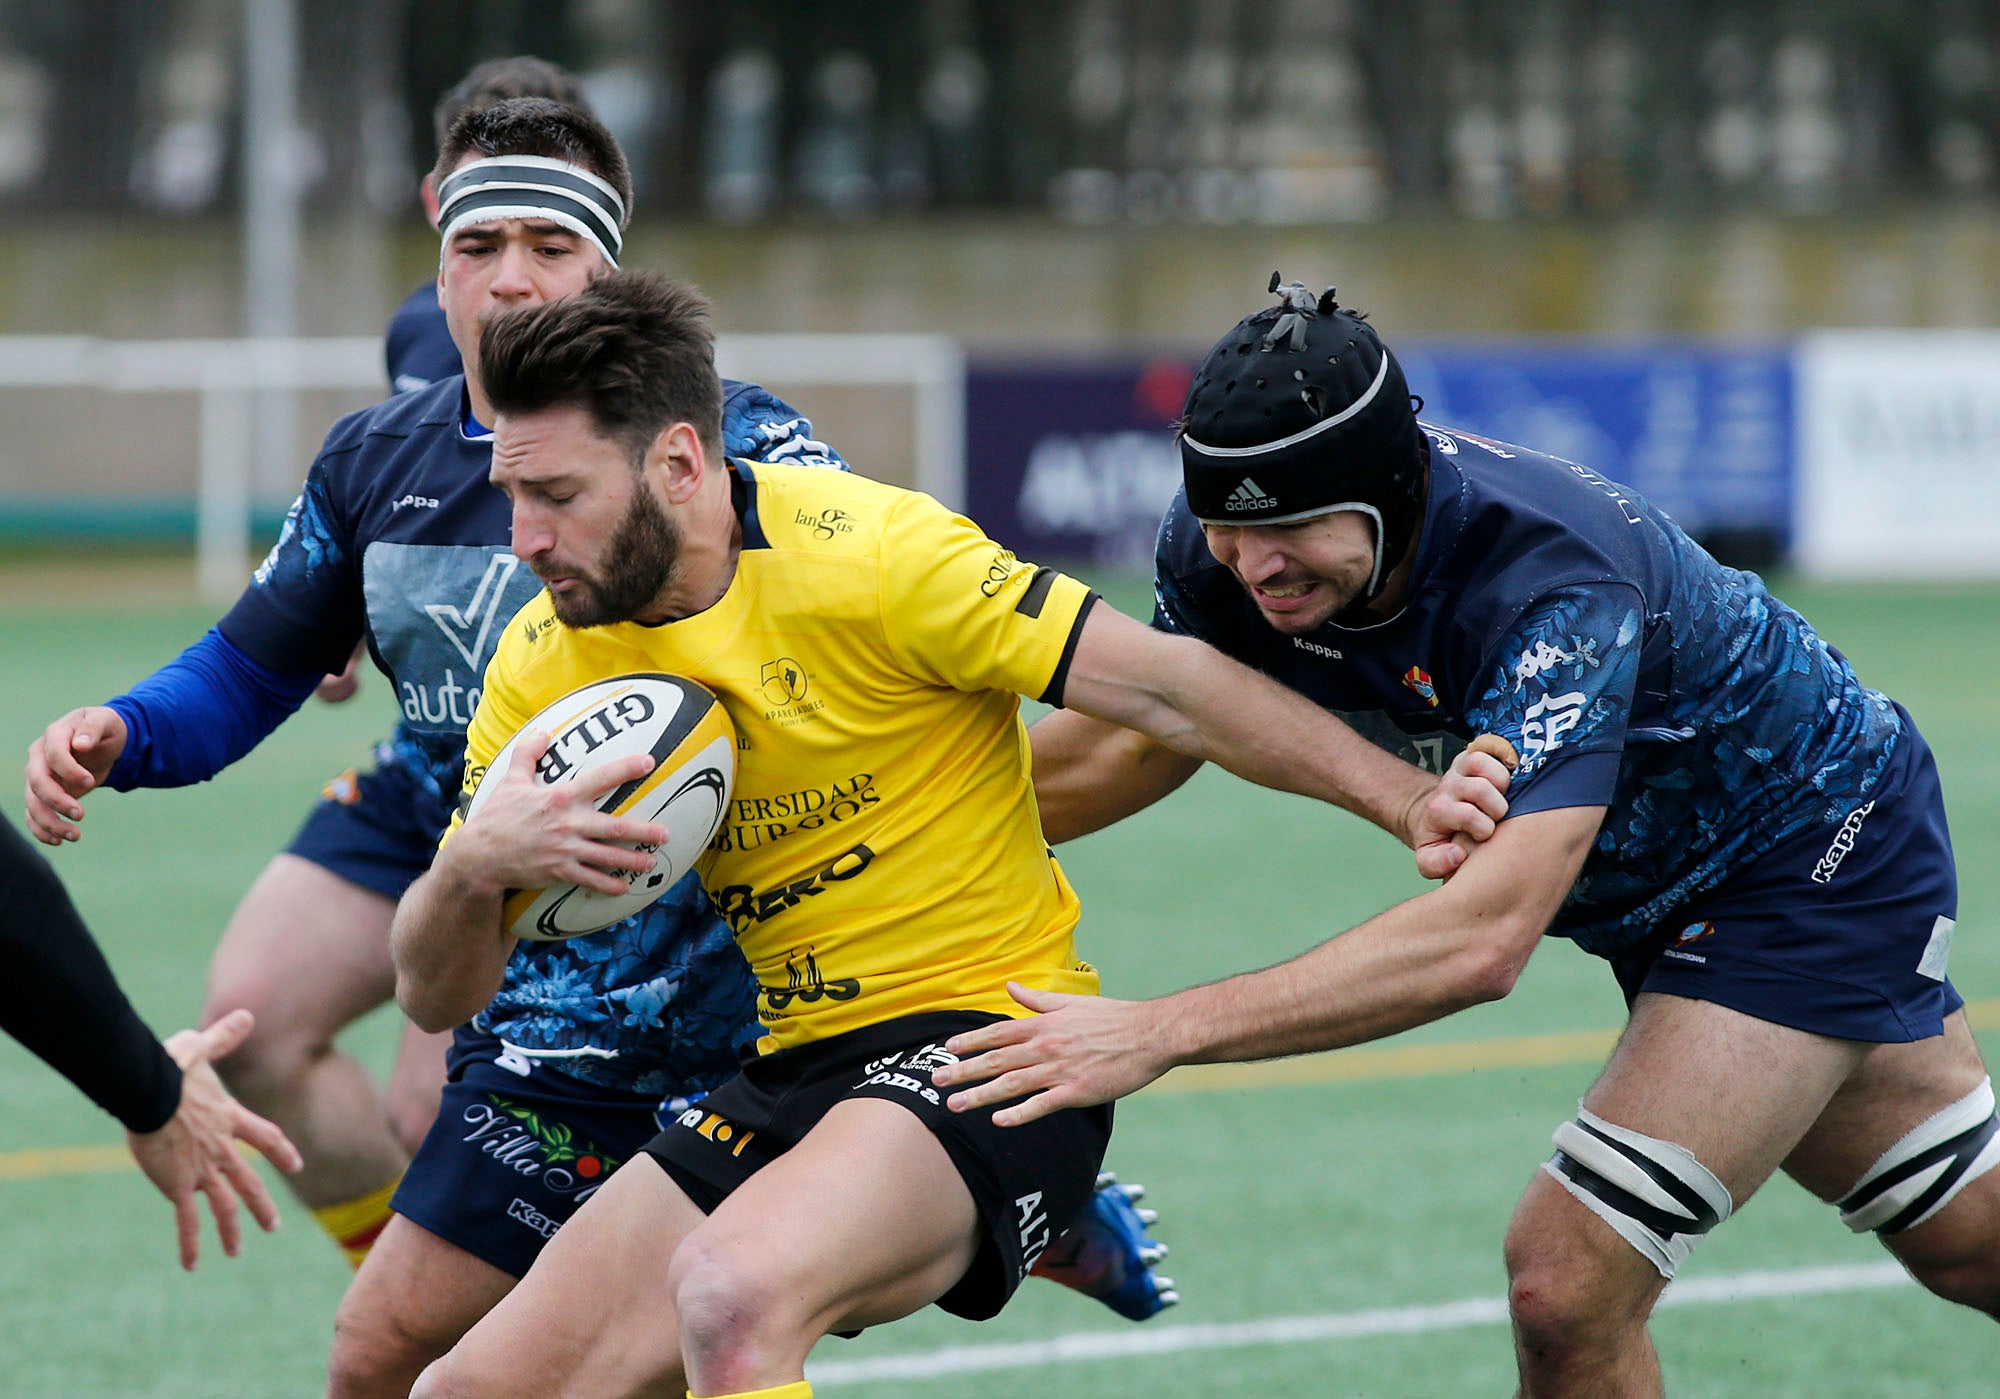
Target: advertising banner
1899	454
1078	462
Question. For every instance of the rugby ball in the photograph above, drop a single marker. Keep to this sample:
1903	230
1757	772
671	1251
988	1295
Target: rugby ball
693	745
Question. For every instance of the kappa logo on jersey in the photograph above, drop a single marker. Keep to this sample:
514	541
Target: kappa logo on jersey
784	681
1317	648
468	630
415	502
741	906
1418	681
1536	661
1545	723
1248	495
1843	841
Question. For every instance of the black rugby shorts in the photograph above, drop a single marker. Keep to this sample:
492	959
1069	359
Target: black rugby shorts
1029	1183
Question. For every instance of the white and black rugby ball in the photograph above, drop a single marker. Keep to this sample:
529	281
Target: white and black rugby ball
693	744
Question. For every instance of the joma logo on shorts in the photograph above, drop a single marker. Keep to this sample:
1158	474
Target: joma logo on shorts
1843	841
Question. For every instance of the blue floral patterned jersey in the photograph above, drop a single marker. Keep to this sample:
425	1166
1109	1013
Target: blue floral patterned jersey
399	538
1630	669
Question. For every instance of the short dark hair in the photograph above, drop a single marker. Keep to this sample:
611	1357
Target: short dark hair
537	126
498	79
633	349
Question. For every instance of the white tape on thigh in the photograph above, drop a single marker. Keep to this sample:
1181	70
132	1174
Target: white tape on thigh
1654	1193
1920	1174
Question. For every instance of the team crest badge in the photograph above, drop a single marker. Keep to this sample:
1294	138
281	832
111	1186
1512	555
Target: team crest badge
783	681
1418	680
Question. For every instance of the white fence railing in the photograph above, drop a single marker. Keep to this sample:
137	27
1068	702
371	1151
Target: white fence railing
227	375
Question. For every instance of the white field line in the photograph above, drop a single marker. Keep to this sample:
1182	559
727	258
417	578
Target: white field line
1335	1326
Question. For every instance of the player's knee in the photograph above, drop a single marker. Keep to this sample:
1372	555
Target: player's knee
374	1355
432	1383
1934	1200
729	1308
1572	1287
1554	1296
410	1116
1956	1259
266	1066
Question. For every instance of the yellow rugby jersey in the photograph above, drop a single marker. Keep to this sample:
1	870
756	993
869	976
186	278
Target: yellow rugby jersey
883	854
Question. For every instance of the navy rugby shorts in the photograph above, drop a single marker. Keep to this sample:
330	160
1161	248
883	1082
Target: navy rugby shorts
375	827
1843	931
516	1149
1029	1183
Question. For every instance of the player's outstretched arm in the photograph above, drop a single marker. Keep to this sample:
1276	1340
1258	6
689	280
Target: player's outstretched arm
67	762
184	723
449	937
1193	699
195	1152
1455	946
1089	774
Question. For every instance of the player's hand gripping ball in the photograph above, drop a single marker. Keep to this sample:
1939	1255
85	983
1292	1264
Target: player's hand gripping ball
693	744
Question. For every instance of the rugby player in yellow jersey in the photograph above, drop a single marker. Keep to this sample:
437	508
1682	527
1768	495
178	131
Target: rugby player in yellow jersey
884	865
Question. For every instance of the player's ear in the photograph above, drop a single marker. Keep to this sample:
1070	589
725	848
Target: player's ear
427	191
679	455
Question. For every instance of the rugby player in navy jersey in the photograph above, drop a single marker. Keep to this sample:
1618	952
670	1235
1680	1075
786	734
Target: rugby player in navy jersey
399	539
1707	797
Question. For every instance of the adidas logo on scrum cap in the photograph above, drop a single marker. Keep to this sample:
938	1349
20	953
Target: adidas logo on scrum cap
1247	496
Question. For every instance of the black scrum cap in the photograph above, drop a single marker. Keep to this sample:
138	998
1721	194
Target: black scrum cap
1301	411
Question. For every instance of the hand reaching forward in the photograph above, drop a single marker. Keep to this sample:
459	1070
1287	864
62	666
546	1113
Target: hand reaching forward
1076	1051
196	1150
72	757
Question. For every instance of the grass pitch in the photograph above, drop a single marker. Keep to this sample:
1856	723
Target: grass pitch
1347	1195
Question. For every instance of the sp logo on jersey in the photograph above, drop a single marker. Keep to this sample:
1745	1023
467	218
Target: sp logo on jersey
1544	724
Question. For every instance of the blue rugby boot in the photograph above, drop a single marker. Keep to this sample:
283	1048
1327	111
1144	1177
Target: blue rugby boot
1107	1253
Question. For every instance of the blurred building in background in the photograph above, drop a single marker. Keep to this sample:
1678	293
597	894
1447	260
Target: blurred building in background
1209	112
1685	190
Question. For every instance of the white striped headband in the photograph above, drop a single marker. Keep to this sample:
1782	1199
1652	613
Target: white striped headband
533	187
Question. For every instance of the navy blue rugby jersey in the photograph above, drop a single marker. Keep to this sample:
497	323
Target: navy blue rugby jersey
399	537
418	345
1629	668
